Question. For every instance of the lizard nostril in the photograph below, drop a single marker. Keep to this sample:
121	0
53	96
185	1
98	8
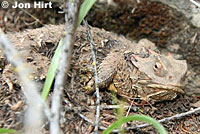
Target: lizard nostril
135	58
170	77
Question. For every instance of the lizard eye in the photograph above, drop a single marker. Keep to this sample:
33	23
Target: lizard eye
159	70
157	66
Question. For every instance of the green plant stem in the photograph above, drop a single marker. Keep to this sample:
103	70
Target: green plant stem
143	118
8	131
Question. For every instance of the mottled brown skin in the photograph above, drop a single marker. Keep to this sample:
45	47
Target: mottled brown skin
139	71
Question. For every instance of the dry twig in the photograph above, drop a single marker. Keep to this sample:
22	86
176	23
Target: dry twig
177	116
115	107
25	11
34	116
195	3
71	16
74	109
92	45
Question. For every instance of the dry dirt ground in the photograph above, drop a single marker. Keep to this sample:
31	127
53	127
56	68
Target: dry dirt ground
164	26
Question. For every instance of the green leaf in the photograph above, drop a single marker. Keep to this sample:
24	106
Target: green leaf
52	71
84	9
143	118
8	131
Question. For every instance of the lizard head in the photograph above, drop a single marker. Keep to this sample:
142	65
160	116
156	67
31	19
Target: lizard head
164	74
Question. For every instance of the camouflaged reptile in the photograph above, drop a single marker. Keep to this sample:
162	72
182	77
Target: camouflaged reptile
141	71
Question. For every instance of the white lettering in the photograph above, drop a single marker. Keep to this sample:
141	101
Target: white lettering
37	4
50	4
41	4
15	6
21	5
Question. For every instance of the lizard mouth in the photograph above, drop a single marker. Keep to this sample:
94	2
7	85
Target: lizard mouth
158	92
170	88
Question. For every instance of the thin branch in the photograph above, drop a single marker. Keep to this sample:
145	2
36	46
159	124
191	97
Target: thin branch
71	16
195	3
104	107
74	109
127	113
114	107
34	116
92	44
177	116
35	18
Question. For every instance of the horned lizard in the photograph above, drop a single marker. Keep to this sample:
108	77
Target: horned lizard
141	71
